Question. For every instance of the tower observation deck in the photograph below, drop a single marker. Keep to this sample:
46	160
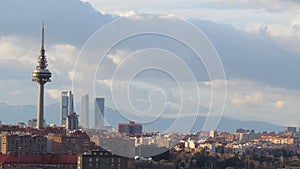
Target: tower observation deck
41	75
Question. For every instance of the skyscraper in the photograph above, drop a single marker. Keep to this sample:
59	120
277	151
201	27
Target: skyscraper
84	111
66	106
72	121
41	75
99	112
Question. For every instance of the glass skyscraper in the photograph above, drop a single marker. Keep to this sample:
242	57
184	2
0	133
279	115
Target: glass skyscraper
84	111
99	112
66	106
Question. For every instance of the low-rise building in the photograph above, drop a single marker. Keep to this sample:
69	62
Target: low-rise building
209	147
234	149
101	159
281	139
117	144
130	129
37	161
73	143
23	144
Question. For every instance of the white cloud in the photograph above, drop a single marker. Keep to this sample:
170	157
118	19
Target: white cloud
277	5
18	56
225	11
114	85
71	74
124	13
215	83
61	58
280	20
286	35
280	104
64	52
106	82
78	76
174	105
252	98
23	52
118	56
111	6
155	5
53	93
13	49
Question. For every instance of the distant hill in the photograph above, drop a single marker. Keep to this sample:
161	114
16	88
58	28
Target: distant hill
11	114
226	123
230	124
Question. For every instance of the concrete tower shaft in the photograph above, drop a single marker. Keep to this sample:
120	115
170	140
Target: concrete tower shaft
41	75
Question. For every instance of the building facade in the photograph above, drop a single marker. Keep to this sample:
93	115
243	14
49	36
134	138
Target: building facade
66	106
37	161
99	112
33	122
130	129
74	143
23	144
101	159
291	129
84	111
72	122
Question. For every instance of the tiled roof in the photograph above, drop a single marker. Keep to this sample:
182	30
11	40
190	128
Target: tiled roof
36	158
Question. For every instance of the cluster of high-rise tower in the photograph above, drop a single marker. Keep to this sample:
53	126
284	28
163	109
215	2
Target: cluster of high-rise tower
68	116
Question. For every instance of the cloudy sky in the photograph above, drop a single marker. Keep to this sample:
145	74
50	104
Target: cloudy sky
258	46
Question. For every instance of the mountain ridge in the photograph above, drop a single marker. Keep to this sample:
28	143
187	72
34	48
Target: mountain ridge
113	117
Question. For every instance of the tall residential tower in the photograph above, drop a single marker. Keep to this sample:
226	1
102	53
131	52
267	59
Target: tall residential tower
41	75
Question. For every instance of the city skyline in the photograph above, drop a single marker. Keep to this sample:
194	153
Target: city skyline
262	77
160	84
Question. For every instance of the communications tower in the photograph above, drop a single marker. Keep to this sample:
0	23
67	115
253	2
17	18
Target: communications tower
41	75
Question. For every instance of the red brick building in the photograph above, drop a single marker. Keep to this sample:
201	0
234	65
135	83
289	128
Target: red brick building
130	129
35	161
